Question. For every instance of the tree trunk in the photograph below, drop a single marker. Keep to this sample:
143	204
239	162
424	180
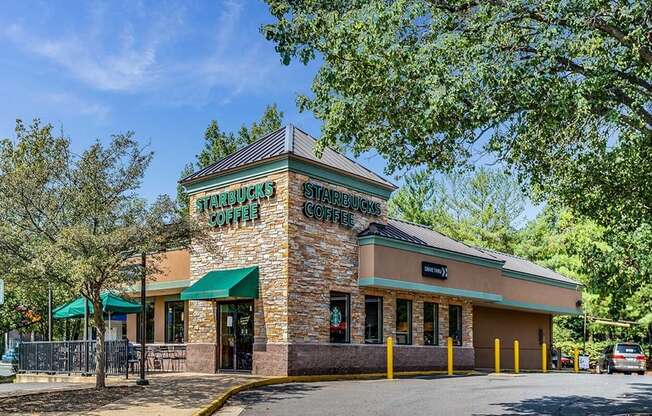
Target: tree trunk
100	352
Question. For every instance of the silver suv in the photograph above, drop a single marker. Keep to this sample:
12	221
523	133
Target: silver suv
623	357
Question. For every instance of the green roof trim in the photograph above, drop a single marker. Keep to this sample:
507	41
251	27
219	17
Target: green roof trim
540	279
294	165
169	284
559	310
429	251
218	284
421	287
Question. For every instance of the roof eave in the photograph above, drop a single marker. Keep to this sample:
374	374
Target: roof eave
388	186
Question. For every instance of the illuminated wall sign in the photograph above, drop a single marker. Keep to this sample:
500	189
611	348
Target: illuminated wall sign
438	271
329	205
235	206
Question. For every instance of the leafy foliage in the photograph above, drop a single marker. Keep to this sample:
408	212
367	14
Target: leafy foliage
76	221
562	91
219	144
480	208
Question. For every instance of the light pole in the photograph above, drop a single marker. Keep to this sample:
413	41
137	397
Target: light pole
143	323
50	312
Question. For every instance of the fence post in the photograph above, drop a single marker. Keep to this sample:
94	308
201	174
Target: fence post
87	345
449	346
576	360
497	355
544	358
516	357
390	358
126	358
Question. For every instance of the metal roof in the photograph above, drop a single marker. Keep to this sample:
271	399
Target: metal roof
419	234
519	264
288	140
422	235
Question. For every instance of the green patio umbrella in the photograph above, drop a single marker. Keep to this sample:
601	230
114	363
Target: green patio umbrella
111	303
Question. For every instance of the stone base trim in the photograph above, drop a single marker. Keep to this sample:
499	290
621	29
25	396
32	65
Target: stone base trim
202	358
318	359
270	359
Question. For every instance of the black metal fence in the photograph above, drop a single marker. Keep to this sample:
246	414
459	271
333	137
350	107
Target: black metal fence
71	357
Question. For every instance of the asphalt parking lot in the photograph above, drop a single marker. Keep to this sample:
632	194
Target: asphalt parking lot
528	394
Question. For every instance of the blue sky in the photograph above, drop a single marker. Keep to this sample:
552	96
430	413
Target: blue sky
161	69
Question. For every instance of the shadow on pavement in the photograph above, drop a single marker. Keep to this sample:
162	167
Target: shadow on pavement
272	394
638	401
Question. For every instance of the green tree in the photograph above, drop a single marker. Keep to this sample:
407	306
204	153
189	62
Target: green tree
562	91
218	144
76	220
616	276
481	208
272	119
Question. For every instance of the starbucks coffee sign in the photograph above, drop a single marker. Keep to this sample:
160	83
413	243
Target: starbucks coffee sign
330	205
236	206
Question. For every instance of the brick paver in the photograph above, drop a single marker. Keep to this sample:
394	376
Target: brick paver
174	395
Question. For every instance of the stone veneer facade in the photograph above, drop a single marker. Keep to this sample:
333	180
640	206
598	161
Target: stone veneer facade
301	260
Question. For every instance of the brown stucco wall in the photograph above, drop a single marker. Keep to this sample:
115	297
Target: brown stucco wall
391	263
508	325
131	327
170	265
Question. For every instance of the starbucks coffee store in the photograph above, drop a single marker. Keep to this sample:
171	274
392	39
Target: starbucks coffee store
306	274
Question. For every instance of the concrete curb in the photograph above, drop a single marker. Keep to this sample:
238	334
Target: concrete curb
216	404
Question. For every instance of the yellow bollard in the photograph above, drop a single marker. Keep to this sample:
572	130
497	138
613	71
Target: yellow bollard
390	358
516	357
497	354
576	360
544	358
449	343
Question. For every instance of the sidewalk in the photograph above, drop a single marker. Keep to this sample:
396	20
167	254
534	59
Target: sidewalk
174	395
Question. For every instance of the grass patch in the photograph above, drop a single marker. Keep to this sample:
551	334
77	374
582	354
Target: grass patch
7	379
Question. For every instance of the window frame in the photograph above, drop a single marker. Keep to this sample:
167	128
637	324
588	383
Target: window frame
347	296
150	329
409	318
435	307
379	302
183	321
452	307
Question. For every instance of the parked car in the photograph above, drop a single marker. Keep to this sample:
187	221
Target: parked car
566	360
622	357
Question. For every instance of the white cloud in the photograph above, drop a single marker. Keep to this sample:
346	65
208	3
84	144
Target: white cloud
157	52
128	68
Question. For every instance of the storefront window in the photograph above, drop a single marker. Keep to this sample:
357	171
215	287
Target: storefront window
340	322
149	311
430	323
174	327
403	321
455	323
373	321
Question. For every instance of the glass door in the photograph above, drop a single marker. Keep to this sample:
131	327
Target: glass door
236	322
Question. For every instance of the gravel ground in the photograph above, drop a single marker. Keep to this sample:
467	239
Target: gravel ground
64	401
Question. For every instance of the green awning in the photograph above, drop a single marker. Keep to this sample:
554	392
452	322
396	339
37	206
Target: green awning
110	303
233	283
